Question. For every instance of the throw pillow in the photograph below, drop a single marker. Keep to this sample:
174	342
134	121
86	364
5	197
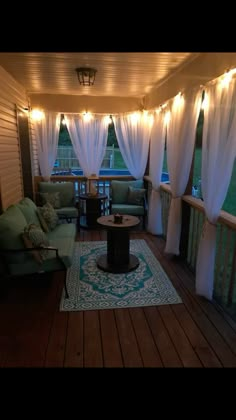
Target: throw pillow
52	198
42	221
33	236
28	244
49	215
136	196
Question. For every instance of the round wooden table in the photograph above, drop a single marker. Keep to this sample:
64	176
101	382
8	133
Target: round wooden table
118	258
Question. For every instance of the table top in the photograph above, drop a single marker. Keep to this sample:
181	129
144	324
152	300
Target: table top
95	197
127	221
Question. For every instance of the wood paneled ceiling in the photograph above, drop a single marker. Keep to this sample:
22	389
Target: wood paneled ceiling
129	74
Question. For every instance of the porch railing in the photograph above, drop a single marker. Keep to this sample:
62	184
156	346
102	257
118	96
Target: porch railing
225	261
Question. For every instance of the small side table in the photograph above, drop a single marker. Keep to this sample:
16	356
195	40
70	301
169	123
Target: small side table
93	209
118	258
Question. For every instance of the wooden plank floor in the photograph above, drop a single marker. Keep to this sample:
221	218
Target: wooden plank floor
33	332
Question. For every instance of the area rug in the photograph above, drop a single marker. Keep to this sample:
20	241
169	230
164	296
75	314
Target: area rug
90	288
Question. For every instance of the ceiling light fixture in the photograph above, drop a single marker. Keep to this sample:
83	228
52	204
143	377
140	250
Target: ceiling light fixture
86	75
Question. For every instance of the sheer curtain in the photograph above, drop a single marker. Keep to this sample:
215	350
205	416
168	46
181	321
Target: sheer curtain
157	143
89	139
133	136
47	134
218	154
181	133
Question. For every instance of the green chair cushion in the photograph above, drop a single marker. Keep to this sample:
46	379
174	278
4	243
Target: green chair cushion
66	190
119	190
127	209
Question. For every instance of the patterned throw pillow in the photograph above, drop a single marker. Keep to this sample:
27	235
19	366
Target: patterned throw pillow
33	236
136	196
49	215
52	198
42	221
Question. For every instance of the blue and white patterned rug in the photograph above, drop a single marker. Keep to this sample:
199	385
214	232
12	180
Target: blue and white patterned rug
91	288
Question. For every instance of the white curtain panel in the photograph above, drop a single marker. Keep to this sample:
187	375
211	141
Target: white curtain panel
218	154
47	134
157	143
89	139
181	133
133	136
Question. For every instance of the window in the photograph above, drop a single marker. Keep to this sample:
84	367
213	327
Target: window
112	145
67	162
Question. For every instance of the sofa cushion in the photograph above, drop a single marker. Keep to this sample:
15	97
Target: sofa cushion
65	248
136	196
63	230
12	224
119	190
66	190
29	210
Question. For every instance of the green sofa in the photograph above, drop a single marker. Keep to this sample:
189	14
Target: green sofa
16	259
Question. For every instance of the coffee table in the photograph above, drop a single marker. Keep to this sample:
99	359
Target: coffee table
118	258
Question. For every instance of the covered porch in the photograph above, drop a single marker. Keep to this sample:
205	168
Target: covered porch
198	332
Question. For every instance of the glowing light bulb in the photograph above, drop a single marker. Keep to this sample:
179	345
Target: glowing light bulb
87	116
37	115
134	117
205	102
225	81
178	100
167	117
107	119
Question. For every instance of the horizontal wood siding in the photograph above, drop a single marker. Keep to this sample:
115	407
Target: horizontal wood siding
34	151
11	94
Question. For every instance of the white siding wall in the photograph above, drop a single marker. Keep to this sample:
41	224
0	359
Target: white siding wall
11	94
34	152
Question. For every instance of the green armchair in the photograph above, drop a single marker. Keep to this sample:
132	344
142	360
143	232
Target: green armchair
128	197
61	196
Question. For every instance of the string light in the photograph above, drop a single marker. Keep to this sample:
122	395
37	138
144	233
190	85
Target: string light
167	118
107	119
37	115
87	116
223	80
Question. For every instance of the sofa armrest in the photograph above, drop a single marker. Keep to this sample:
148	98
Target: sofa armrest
37	248
63	216
7	252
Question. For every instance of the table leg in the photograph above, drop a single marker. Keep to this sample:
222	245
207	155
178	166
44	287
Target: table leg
118	247
118	258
